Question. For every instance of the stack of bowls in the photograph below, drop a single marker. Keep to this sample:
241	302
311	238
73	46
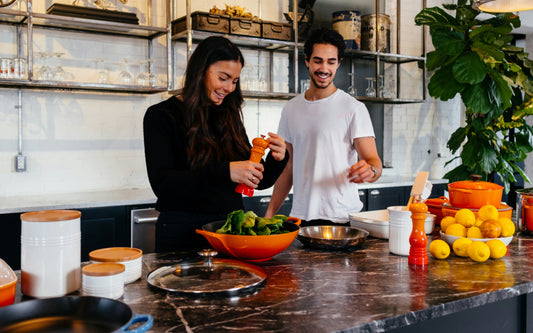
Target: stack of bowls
130	257
103	280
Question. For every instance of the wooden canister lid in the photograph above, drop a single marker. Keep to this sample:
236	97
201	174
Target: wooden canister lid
50	215
103	269
114	254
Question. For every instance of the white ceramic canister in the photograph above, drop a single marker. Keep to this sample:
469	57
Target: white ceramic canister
130	257
400	227
103	280
50	253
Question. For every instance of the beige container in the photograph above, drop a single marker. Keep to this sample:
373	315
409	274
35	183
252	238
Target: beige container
103	280
348	24
368	33
130	257
50	253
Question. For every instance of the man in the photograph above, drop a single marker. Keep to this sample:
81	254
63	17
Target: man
330	140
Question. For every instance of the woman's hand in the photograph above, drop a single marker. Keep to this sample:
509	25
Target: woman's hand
277	146
246	172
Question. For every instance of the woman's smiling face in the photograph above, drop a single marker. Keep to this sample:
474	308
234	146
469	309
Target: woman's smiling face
221	79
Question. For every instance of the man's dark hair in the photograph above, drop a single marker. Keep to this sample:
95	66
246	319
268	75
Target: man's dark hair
324	36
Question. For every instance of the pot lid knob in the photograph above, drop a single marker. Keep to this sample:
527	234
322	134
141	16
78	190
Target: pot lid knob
475	178
208	254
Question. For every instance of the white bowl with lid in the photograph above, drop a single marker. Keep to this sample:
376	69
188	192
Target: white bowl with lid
130	257
103	280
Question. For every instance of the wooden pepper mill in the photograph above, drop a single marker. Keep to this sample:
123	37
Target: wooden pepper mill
259	145
418	254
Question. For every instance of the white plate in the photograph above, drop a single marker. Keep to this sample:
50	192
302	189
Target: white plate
450	239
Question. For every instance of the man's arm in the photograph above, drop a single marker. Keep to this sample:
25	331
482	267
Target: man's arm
282	187
363	171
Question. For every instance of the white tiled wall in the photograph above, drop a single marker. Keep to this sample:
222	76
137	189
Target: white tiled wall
77	141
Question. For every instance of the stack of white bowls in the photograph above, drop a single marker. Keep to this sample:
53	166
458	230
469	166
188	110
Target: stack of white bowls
103	280
130	257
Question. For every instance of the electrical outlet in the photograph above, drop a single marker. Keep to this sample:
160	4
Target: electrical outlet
20	163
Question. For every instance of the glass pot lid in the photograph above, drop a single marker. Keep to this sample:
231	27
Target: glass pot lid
208	275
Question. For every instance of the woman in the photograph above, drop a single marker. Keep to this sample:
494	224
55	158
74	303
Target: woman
197	150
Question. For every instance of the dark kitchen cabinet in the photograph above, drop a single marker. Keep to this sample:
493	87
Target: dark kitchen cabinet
10	239
259	205
383	197
103	227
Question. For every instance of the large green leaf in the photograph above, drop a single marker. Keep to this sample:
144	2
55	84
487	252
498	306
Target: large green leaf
476	98
469	68
502	89
448	42
435	17
436	59
486	52
443	85
456	139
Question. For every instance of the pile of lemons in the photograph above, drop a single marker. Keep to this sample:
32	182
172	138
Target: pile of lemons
465	225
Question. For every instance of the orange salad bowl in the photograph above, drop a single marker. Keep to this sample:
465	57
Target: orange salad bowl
504	210
250	248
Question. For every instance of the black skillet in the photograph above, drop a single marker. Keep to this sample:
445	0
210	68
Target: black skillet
71	314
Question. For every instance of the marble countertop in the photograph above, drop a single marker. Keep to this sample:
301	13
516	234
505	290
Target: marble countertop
367	290
136	196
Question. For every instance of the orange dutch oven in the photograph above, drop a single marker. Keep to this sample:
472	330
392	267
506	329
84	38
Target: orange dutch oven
474	193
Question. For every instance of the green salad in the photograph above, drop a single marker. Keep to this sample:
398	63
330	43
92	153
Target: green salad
241	223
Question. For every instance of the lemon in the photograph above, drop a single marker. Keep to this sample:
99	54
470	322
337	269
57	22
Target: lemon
488	212
439	249
460	246
465	217
445	222
456	229
497	248
474	232
478	251
478	222
508	227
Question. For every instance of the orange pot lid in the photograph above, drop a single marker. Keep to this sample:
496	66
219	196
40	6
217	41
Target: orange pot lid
436	201
50	216
103	269
114	254
475	185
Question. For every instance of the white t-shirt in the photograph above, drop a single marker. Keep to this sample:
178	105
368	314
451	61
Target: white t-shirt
321	133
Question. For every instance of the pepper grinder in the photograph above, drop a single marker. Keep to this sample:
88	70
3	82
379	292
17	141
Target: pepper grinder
258	150
418	254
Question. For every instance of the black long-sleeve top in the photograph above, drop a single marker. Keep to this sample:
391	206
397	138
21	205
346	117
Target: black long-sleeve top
177	187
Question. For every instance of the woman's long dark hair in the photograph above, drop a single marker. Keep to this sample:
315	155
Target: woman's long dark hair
214	132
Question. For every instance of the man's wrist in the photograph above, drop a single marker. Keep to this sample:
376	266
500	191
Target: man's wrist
373	168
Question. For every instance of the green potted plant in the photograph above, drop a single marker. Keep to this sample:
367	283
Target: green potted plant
475	57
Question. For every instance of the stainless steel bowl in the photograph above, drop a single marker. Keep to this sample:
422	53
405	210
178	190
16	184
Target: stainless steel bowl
327	237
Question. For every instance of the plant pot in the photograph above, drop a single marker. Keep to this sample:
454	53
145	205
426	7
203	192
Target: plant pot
474	193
